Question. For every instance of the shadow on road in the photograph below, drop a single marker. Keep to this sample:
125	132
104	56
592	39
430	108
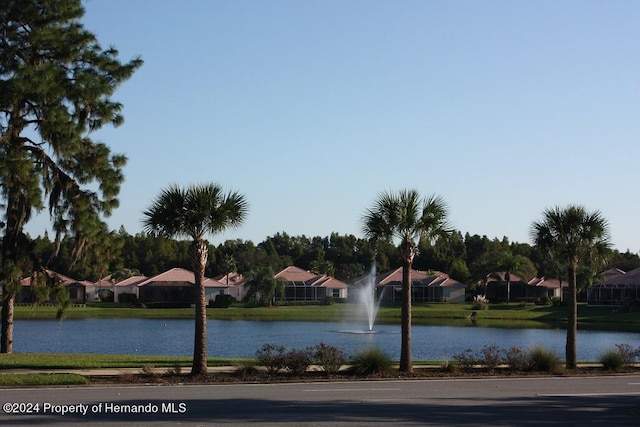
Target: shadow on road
584	411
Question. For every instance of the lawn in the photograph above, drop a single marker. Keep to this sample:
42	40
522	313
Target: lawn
30	380
94	361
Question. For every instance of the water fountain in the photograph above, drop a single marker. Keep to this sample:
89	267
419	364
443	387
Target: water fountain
367	301
367	297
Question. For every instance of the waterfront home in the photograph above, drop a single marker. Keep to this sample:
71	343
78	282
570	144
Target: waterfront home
176	288
236	284
303	285
617	288
125	290
80	291
432	286
522	290
545	286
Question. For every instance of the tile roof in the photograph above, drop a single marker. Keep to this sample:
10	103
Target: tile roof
233	279
178	277
621	278
297	275
547	283
502	274
418	278
129	281
65	279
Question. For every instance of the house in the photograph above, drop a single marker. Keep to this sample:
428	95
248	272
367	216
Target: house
520	289
125	286
80	291
425	287
302	285
618	288
544	286
237	284
176	288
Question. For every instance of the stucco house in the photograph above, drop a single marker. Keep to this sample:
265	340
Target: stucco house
302	285
124	286
80	291
176	287
236	284
545	286
434	286
522	289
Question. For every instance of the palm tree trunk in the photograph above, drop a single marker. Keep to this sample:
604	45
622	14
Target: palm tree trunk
405	348
572	320
199	260
6	341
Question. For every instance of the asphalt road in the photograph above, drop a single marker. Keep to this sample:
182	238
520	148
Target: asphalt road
609	401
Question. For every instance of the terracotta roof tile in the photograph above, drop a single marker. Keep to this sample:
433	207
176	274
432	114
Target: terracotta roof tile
418	277
298	275
178	277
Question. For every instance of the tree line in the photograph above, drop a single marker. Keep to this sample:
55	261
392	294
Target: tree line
468	258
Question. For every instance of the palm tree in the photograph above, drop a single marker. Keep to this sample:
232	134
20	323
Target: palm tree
194	212
572	236
513	264
265	288
407	217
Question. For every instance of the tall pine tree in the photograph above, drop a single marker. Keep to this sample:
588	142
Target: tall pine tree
55	87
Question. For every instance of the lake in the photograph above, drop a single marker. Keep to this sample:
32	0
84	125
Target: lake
241	339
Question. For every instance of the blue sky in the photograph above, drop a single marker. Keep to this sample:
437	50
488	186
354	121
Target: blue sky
312	108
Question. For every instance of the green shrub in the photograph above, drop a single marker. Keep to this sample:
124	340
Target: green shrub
466	359
544	300
222	301
329	358
621	357
480	306
542	359
371	362
629	355
246	370
480	302
612	360
127	298
272	357
105	295
516	358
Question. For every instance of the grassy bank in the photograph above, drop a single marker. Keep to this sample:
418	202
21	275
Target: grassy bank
32	380
96	361
504	315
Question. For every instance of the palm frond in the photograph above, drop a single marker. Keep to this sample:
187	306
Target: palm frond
195	211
